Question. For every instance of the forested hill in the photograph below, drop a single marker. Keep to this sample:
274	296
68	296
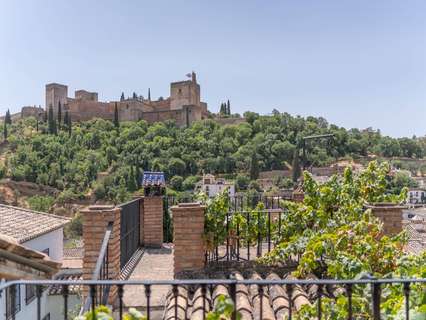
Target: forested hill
70	160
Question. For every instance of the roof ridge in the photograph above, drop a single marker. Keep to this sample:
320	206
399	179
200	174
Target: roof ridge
34	211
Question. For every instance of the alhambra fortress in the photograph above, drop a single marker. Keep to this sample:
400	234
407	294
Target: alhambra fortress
183	105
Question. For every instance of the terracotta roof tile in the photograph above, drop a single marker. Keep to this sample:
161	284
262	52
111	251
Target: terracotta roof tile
24	225
251	299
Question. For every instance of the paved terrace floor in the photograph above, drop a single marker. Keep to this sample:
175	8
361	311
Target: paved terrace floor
155	264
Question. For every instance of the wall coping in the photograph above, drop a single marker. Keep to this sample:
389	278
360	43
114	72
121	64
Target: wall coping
99	208
385	205
188	205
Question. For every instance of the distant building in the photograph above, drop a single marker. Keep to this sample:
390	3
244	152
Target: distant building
184	104
34	243
212	186
416	195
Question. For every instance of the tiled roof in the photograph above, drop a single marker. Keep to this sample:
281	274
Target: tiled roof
275	301
24	225
36	260
416	237
151	178
72	276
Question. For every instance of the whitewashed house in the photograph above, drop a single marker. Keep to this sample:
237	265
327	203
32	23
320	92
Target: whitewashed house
32	235
416	195
211	186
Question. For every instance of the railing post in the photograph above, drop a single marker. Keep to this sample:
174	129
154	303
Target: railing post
375	293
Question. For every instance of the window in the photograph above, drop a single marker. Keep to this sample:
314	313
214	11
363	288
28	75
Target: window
30	293
13	301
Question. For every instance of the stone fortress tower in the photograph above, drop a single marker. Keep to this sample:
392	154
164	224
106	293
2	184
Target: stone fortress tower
56	93
184	104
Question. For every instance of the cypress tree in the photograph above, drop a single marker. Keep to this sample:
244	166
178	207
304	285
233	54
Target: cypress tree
5	130
228	108
116	121
7	118
51	121
66	118
254	167
59	115
222	109
69	125
296	166
45	116
122	96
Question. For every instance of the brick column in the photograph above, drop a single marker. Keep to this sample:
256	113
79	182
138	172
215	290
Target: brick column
95	222
153	221
188	231
391	216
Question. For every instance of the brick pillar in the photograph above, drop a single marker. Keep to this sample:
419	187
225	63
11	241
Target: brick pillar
95	222
391	216
188	231
153	221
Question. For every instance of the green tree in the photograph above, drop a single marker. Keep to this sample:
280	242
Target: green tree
122	97
176	183
51	122
296	171
228	108
116	119
8	118
254	166
4	130
59	115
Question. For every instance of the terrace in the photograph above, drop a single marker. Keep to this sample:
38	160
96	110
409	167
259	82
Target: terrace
129	262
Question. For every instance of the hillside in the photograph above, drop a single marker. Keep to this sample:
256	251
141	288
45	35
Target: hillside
71	162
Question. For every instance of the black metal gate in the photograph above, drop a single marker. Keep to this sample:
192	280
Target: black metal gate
130	230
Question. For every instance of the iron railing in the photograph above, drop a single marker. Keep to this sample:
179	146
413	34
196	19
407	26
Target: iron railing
236	203
346	287
244	235
130	223
101	272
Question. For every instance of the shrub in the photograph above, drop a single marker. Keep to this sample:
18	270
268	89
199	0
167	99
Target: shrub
41	203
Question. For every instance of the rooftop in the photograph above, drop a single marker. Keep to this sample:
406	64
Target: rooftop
152	178
24	225
22	262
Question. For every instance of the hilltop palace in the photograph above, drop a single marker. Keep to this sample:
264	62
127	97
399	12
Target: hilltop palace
184	105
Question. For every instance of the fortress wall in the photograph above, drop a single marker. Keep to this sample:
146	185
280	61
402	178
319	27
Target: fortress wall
83	110
160	116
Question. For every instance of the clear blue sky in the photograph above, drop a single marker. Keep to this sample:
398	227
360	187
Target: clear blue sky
357	63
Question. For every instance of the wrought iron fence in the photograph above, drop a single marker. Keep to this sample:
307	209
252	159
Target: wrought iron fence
244	235
264	288
130	230
237	203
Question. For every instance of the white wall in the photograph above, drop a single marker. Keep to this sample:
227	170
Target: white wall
27	311
214	189
54	241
